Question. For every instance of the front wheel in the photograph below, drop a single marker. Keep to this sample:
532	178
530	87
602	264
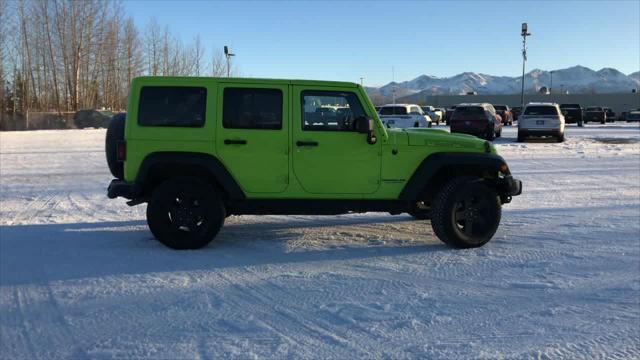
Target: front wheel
185	213
466	213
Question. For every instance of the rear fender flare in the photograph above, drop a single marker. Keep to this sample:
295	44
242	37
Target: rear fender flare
177	162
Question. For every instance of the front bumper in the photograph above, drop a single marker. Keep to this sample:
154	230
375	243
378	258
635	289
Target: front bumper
510	186
121	188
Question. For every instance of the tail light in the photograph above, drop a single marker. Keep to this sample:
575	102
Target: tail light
121	150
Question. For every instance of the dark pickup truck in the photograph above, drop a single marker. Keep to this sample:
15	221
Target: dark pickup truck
572	113
595	113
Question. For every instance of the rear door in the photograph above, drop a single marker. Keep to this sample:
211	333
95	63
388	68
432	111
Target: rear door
329	156
252	136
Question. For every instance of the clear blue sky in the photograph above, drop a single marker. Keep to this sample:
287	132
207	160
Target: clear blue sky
347	40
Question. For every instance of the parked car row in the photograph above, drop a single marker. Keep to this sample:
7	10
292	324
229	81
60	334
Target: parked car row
485	120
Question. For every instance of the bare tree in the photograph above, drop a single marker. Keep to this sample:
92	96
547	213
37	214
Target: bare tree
63	55
218	64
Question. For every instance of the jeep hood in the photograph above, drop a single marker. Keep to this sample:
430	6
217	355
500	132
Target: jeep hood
444	139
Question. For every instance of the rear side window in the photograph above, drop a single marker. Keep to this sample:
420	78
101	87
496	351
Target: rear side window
245	108
540	110
175	106
393	110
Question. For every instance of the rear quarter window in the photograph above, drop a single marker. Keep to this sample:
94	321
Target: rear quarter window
172	106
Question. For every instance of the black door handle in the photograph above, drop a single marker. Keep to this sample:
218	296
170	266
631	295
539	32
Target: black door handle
307	143
235	142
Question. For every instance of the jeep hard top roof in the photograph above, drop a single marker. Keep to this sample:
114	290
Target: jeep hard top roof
174	79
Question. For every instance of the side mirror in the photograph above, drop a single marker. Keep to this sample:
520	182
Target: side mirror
364	125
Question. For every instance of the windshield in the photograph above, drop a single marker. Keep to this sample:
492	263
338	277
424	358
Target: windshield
540	110
569	106
500	107
594	109
393	110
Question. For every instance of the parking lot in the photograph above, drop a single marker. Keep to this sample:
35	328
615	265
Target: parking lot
81	276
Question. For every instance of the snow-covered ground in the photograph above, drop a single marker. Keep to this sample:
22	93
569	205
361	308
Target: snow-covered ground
82	277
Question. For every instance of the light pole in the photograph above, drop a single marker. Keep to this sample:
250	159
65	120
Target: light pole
524	34
551	86
362	81
228	55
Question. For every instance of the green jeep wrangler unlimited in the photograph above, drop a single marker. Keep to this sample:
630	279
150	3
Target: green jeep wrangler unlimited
200	149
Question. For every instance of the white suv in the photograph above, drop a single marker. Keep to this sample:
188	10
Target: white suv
403	116
541	119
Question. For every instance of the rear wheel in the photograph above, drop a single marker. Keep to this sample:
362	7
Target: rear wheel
185	213
521	137
560	137
466	213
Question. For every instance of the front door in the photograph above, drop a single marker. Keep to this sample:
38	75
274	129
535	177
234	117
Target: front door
252	138
329	156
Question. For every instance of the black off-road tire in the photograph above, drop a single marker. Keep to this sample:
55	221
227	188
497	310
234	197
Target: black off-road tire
185	213
520	137
115	133
452	211
560	138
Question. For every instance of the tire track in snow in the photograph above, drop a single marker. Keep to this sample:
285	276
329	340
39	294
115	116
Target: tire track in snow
47	333
295	323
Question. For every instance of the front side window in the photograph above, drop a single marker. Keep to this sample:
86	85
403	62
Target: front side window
175	106
245	108
415	110
330	110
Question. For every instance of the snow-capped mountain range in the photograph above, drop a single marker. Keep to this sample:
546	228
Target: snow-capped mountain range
577	79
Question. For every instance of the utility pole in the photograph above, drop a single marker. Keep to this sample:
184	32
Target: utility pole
361	81
551	86
393	87
228	55
524	34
